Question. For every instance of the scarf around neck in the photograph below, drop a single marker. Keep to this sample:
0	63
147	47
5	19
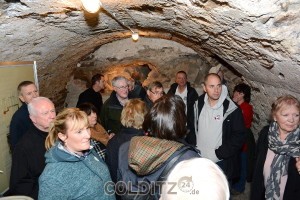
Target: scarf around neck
283	150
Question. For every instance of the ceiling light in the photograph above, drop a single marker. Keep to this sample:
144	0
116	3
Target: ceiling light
135	36
91	6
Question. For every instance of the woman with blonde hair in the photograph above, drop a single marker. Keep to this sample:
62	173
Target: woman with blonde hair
277	169
132	118
73	170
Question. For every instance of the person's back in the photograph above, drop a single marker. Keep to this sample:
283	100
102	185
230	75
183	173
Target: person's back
132	118
20	121
144	158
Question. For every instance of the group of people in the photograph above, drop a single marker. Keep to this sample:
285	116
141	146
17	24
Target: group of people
137	132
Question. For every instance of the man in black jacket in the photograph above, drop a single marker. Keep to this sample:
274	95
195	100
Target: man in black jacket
110	114
219	126
92	95
28	161
189	95
20	121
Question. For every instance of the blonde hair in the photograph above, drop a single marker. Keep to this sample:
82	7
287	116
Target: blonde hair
205	181
133	113
282	101
77	118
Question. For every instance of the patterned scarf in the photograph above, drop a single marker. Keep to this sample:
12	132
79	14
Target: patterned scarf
283	151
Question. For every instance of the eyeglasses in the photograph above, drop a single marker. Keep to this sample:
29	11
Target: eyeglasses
122	87
157	93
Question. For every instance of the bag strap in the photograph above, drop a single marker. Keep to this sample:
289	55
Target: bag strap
163	176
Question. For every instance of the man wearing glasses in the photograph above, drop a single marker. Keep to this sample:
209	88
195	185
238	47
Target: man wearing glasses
155	91
111	110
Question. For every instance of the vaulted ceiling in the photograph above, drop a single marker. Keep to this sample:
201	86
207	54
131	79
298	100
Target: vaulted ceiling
258	39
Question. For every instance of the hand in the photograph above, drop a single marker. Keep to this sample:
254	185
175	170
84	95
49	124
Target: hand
111	135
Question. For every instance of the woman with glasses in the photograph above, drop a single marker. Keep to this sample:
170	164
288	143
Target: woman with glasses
155	90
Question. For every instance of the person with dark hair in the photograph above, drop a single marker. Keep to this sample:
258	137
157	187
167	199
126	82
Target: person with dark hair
144	158
92	95
99	136
74	170
28	160
242	96
20	121
277	168
189	95
155	90
132	118
219	127
136	90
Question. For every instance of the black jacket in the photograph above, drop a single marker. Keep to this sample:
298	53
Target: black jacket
110	114
28	162
292	188
192	96
90	96
137	92
19	125
233	138
112	149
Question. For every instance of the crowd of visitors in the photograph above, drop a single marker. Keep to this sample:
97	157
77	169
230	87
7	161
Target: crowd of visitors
143	143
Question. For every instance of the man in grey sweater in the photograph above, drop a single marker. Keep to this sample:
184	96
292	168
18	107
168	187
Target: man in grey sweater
219	126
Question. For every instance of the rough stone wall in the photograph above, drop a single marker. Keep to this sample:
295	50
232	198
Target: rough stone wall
164	57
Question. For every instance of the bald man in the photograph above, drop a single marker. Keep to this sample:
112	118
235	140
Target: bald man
220	129
28	159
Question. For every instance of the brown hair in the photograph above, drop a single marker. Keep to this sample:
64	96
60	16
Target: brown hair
154	84
59	125
167	119
24	84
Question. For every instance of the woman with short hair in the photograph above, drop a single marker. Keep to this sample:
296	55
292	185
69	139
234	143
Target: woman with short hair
73	170
132	118
276	173
99	136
